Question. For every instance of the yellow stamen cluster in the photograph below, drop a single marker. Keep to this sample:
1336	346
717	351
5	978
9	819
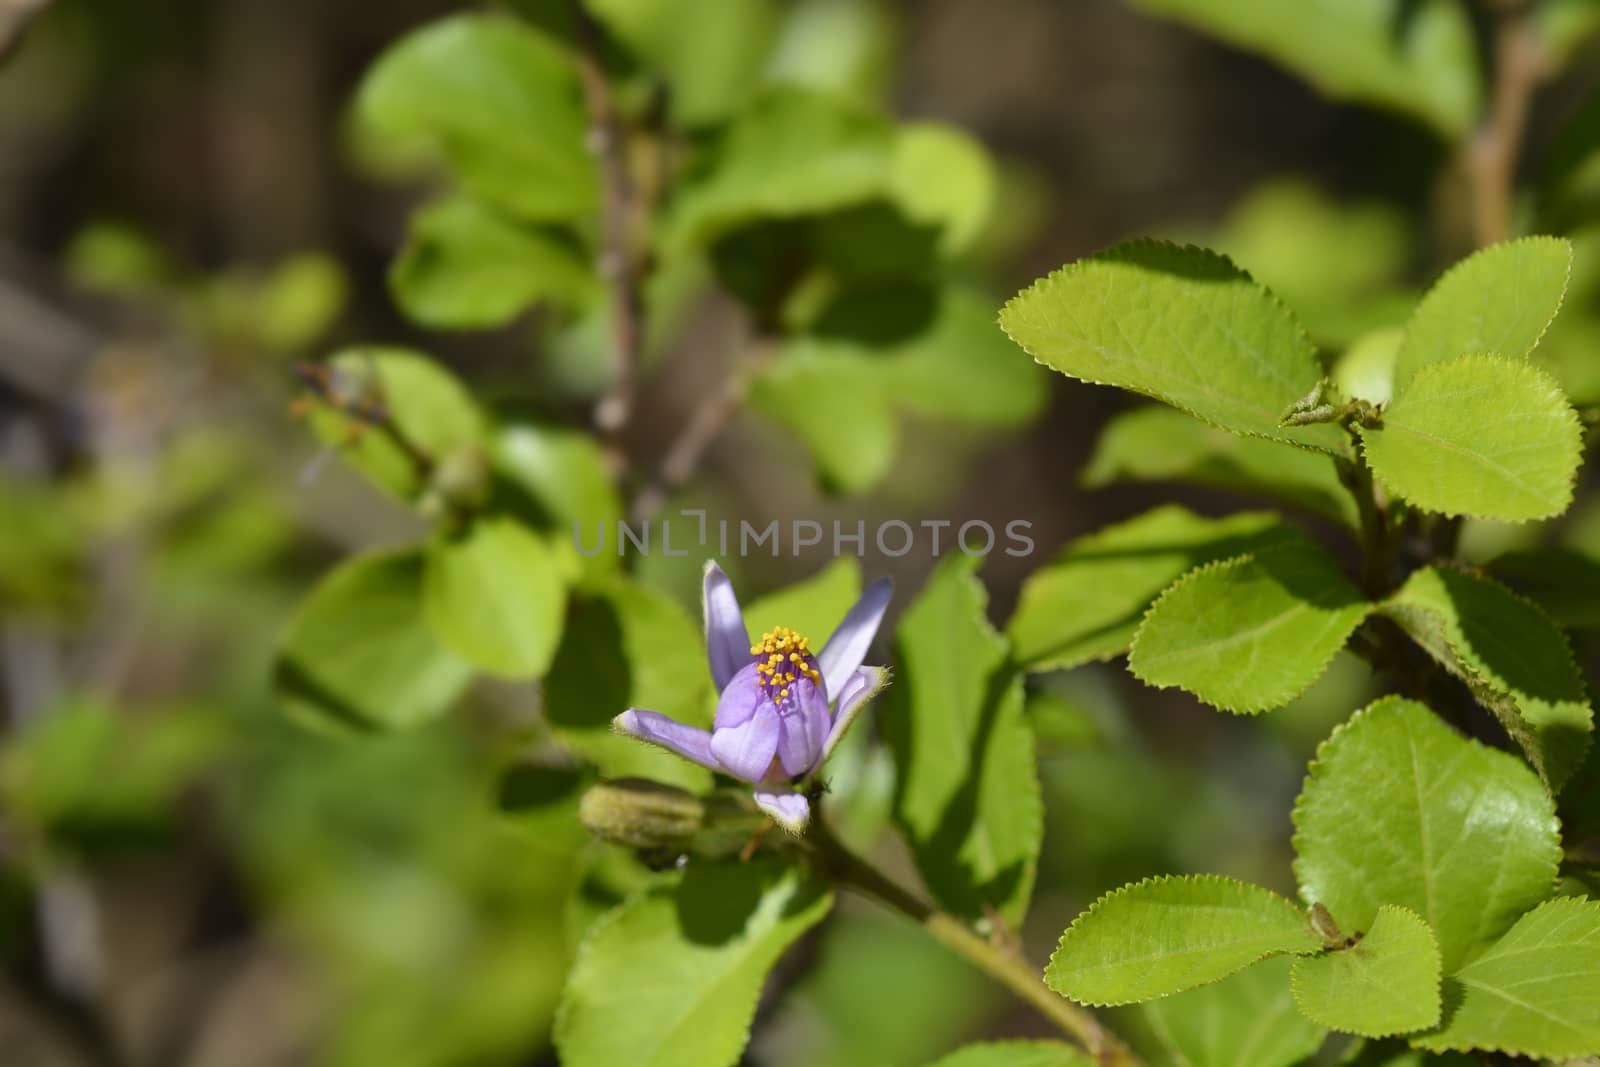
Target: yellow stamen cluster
788	659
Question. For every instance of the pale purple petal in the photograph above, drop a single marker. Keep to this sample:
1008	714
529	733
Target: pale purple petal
656	728
740	699
864	684
746	751
789	810
727	641
848	646
802	729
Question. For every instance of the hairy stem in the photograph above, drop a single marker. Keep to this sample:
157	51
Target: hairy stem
1007	968
620	264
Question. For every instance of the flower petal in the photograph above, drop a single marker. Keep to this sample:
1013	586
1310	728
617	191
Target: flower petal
746	751
727	641
848	645
740	699
674	736
802	729
864	684
789	810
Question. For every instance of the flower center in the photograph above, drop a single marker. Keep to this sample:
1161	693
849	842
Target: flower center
783	658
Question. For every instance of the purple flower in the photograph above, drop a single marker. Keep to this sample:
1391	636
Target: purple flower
783	707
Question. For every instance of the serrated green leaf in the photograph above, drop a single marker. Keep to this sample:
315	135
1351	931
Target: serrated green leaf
1481	435
1251	633
671	978
968	789
1399	809
1386	983
628	645
494	595
1533	992
1416	58
1568	347
1510	655
1181	325
1565	583
466	266
1248	1018
1499	300
1015	1054
502	102
426	404
1158	444
1086	605
358	652
1165	935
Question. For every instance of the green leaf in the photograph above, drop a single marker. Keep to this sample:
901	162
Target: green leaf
466	266
671	978
1158	444
1416	58
1387	983
710	63
572	492
1567	348
1251	633
1499	301
83	773
1565	583
887	348
501	101
1015	1054
954	365
1086	605
1181	325
1365	370
791	153
836	405
358	653
494	594
1481	435
1247	1018
1532	993
1399	809
968	789
1165	935
943	176
812	606
1512	657
425	404
627	645
1340	264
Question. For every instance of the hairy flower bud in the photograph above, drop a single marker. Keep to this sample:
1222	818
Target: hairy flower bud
641	814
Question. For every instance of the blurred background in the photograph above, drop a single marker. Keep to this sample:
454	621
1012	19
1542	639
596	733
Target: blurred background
187	212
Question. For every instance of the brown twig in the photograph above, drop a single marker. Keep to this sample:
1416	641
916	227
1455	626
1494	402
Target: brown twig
1491	154
1009	969
620	264
705	424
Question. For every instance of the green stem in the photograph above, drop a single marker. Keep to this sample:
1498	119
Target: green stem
1009	970
1377	539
